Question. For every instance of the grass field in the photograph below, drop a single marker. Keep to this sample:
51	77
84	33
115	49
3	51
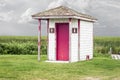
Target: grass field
22	64
26	67
103	44
21	45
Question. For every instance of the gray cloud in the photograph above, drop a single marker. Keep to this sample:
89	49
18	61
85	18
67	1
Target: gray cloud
2	3
15	15
80	5
6	16
26	16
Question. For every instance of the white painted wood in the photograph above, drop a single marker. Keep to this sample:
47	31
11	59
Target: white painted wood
70	29
39	39
51	47
74	41
86	40
64	17
47	39
52	38
73	49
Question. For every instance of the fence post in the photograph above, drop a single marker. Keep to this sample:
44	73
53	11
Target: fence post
110	52
39	39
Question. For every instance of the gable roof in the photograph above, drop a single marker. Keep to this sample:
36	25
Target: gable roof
62	12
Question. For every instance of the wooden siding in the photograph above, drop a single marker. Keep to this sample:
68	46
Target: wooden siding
86	40
74	41
52	38
51	48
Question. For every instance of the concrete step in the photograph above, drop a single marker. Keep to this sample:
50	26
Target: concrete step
114	56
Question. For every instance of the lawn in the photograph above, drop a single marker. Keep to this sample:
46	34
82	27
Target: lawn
26	67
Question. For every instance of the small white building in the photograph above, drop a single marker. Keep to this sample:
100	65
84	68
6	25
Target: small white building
70	34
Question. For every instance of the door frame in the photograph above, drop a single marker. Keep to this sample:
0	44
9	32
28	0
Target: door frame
56	38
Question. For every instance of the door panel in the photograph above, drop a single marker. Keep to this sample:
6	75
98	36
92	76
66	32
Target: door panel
62	40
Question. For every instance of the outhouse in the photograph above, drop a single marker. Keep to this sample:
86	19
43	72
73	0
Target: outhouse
69	33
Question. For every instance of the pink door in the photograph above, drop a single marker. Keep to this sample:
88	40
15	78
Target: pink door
62	40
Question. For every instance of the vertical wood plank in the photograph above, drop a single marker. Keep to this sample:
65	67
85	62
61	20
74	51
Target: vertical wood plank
78	39
70	19
39	38
48	39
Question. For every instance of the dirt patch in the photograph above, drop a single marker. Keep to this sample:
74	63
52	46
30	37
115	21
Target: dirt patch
91	78
40	79
116	79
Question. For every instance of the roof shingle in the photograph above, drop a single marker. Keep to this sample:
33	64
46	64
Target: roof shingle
62	11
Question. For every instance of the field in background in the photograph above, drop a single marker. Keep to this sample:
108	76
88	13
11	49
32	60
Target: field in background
103	45
17	45
28	45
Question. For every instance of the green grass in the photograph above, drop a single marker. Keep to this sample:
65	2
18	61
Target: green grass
26	67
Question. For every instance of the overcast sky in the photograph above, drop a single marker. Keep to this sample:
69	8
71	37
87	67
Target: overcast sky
15	15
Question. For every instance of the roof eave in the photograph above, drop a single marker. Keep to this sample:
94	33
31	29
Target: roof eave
57	17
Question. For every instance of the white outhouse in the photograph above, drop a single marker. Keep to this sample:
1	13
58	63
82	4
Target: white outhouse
70	34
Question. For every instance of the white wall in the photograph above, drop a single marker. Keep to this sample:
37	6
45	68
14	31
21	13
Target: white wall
86	39
74	41
52	38
51	48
